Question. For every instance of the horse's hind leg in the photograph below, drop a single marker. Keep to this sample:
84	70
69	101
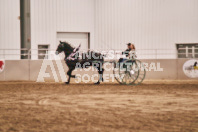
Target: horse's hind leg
100	72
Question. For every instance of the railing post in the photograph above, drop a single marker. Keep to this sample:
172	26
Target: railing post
4	54
29	63
29	54
155	53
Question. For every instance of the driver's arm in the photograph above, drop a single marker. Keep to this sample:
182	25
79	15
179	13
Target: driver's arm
126	52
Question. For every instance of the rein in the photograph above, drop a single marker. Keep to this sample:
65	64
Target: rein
72	55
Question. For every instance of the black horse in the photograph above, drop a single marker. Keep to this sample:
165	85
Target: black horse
72	60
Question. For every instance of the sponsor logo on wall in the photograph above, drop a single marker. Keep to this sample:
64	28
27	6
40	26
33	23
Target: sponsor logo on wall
190	68
2	65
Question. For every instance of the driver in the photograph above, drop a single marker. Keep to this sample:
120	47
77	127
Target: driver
129	52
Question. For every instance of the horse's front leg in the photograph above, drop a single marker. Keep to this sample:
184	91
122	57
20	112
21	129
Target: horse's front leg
69	74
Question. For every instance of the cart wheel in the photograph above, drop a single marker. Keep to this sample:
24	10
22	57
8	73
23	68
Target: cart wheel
142	73
126	72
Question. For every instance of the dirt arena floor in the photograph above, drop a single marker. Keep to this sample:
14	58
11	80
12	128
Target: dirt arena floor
150	107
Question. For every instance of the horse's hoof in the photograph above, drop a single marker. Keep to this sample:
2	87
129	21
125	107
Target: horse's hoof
73	76
97	83
66	82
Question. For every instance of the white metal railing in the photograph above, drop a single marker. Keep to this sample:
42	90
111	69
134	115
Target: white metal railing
17	54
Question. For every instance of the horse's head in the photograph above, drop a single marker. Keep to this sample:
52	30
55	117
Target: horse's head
64	46
60	48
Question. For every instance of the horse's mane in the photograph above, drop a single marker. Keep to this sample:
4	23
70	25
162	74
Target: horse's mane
68	46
